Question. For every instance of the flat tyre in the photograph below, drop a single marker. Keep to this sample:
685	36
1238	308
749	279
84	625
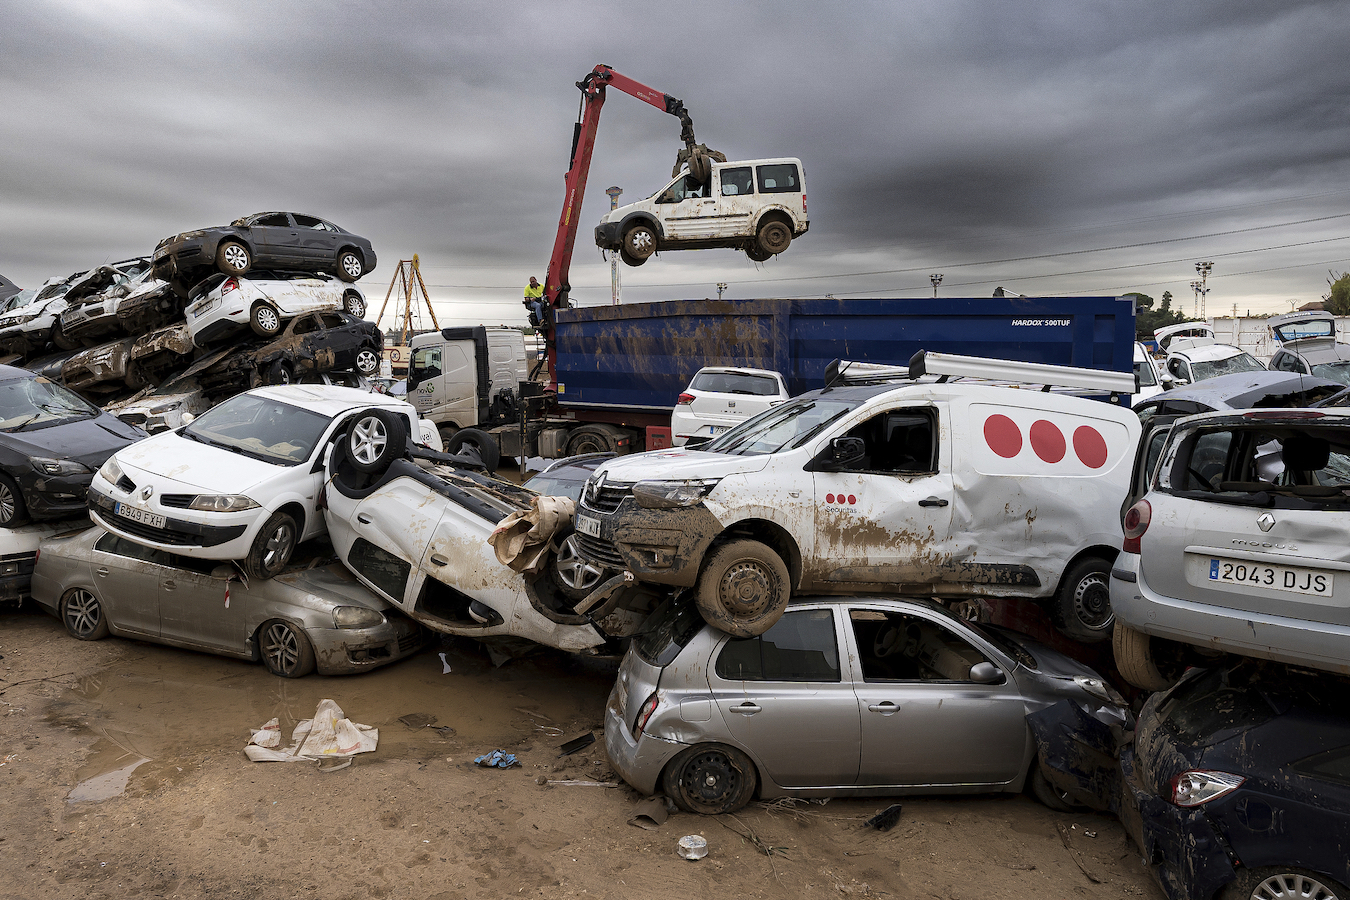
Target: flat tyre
743	589
710	779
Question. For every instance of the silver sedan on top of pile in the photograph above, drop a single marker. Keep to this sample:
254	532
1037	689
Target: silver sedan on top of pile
99	584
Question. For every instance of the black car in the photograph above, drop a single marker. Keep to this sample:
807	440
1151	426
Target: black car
309	345
281	239
51	442
1239	782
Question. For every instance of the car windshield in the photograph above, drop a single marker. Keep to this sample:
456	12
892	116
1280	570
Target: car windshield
260	427
31	403
784	427
552	486
1243	362
1336	371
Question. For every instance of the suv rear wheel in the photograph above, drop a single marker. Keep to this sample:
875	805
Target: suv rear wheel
743	589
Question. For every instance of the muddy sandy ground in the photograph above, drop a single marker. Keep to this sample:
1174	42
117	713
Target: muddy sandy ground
416	818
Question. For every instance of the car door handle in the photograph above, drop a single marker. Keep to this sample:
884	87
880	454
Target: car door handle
886	708
438	560
363	518
102	572
746	709
932	501
170	586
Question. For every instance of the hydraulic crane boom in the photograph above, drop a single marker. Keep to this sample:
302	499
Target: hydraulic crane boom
556	286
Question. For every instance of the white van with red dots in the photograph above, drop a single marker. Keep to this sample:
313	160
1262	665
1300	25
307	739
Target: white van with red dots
946	489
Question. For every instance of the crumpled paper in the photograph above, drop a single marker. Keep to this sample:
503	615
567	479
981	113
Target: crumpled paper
329	735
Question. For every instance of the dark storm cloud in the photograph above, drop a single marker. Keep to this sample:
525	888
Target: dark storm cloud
933	133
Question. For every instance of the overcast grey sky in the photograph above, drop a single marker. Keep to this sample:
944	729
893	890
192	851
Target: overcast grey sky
1052	147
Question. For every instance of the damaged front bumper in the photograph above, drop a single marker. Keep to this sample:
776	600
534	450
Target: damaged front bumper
659	546
346	652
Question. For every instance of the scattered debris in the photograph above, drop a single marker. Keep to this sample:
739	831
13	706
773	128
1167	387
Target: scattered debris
693	846
497	759
444	662
330	734
418	720
576	744
603	784
1078	860
886	819
650	814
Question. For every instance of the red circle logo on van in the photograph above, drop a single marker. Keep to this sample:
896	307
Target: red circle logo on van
1003	436
1047	440
1090	446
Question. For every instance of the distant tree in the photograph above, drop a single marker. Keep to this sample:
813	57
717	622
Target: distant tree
1337	302
1148	320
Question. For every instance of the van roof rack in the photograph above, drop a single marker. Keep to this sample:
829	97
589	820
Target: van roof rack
926	362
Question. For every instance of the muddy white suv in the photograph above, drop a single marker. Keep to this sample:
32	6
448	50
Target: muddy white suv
756	205
1239	546
951	490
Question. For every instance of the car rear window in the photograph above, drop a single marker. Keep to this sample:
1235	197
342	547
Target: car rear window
735	383
779	178
1208	708
671	634
1299	464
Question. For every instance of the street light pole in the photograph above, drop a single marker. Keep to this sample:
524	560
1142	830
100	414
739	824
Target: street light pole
935	279
721	286
614	193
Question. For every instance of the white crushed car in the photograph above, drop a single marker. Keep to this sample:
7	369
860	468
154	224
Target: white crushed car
1193	354
239	483
264	300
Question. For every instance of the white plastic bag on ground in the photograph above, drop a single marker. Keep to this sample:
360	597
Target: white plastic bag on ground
329	735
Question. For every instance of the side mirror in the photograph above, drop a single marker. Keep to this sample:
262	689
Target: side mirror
986	673
840	452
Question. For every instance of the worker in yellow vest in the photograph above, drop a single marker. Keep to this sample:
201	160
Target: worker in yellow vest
534	299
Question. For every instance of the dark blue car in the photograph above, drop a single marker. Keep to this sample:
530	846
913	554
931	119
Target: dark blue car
1238	784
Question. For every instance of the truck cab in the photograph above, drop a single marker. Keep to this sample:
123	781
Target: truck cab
756	205
467	377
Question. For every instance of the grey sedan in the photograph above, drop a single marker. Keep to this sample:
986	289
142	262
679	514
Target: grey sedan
98	584
843	696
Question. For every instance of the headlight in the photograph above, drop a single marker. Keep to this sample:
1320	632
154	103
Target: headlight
672	494
1197	786
356	617
165	407
221	503
111	471
1099	689
58	466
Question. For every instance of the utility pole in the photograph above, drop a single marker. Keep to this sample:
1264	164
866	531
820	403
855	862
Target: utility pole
935	279
412	295
614	193
1203	269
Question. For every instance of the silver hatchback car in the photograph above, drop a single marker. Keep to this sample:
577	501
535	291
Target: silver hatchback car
843	696
1238	546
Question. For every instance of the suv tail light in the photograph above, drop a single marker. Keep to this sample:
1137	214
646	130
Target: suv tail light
683	399
644	715
232	285
803	202
1136	522
1198	786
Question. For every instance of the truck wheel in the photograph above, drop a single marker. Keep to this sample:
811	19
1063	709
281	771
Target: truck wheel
589	439
639	241
743	589
774	236
233	258
377	437
1082	605
1133	651
480	441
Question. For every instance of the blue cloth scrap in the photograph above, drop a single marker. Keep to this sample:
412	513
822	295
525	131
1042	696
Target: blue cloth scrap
497	759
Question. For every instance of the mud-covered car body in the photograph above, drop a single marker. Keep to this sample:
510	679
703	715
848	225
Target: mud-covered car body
1194	355
1244	390
842	696
1308	346
28	329
311	344
51	443
152	595
207	490
101	369
163	408
280	240
1237	776
733	208
952	490
1239	543
222	306
131	301
418	537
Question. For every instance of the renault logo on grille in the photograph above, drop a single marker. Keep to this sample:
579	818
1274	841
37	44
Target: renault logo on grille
593	487
1266	521
146	492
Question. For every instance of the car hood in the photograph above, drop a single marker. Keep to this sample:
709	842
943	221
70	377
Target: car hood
89	441
675	465
212	470
333	585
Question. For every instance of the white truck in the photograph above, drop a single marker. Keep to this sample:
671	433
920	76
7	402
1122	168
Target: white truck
467	378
